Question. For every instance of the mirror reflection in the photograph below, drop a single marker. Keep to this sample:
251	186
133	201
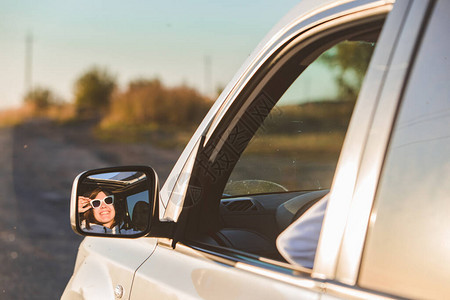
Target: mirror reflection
114	203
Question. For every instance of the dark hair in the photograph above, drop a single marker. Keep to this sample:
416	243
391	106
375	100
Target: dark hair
89	214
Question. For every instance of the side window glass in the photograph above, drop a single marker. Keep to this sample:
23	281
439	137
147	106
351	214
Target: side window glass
298	145
407	251
275	152
290	161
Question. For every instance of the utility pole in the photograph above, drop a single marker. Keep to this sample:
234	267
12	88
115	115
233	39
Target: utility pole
28	62
208	75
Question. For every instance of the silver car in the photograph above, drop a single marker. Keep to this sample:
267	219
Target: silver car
348	100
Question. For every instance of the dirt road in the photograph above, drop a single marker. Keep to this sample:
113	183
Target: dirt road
38	162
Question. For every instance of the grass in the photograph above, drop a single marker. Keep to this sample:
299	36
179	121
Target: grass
160	136
310	144
61	113
151	134
16	116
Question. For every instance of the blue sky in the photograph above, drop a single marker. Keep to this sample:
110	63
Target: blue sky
132	39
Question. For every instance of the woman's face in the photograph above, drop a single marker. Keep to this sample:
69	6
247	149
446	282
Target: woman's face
105	213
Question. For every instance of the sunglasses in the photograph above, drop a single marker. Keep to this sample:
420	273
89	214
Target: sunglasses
96	203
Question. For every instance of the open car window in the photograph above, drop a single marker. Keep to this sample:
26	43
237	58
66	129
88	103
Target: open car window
297	146
275	153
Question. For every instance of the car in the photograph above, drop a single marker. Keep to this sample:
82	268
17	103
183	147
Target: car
347	100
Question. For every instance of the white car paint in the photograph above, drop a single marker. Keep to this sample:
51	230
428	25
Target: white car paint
99	267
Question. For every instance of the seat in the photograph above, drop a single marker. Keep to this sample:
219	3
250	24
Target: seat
140	217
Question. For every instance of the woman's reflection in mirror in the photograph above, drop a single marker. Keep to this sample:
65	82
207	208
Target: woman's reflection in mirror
99	213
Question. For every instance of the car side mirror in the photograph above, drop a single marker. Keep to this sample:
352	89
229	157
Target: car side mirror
118	201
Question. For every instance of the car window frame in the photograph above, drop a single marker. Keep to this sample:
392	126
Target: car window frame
256	97
173	190
360	16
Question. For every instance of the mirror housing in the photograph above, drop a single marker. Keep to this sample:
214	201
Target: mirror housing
117	202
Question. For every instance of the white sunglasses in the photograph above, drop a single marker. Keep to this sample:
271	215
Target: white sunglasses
96	203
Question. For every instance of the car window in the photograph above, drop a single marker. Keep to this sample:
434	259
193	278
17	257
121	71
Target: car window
274	153
407	251
298	145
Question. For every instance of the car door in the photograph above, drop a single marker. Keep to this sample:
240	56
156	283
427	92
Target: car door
224	241
102	271
401	249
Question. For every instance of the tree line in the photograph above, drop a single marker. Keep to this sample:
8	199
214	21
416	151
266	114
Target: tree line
144	102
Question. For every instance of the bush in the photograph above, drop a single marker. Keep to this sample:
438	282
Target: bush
150	103
39	99
93	92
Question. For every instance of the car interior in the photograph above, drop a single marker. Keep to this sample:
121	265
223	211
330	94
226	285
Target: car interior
253	223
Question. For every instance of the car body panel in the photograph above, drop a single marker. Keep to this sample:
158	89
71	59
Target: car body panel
381	87
377	141
184	273
100	267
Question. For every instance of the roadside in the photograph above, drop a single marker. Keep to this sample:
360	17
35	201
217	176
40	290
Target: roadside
39	162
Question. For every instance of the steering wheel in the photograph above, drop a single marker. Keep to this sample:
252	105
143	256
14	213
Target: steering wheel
253	186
